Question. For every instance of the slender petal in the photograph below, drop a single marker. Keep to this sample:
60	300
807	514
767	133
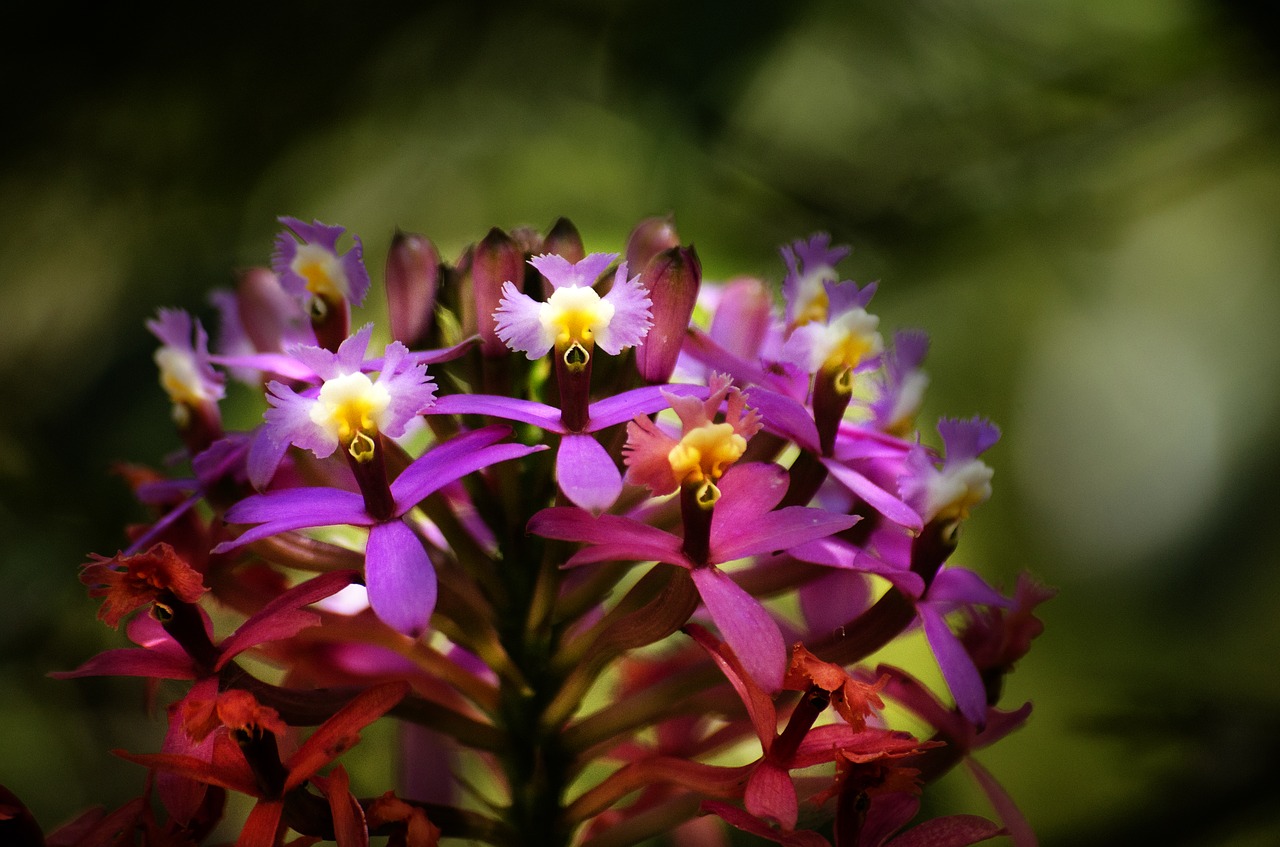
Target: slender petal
586	473
294	508
284	616
745	626
950	831
957	668
508	408
263	824
612	537
778	531
341	732
1008	812
431	472
882	501
162	662
785	416
400	578
646	400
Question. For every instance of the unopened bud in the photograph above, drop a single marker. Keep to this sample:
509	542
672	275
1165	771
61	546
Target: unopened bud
742	317
413	278
563	239
265	309
672	278
650	237
496	260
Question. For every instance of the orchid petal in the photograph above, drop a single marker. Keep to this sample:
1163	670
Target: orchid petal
879	499
957	667
950	831
452	460
645	400
745	625
508	408
961	586
341	732
774	531
614	537
835	553
294	508
400	578
586	473
771	794
749	490
168	661
747	822
632	315
786	416
262	825
284	616
1008	812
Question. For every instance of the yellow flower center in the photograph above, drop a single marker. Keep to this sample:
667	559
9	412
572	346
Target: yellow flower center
349	407
705	452
326	280
573	315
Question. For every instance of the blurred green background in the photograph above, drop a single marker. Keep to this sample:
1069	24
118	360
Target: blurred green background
1078	199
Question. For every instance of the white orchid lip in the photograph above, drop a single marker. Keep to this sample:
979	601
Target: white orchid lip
349	408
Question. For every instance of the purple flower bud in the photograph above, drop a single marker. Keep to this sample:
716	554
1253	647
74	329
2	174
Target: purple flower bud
271	317
672	278
497	260
413	277
650	237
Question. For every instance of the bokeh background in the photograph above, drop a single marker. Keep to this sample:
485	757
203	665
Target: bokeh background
1078	199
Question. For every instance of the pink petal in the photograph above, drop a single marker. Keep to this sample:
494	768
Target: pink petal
745	625
586	473
632	315
770	794
632	540
952	831
294	508
1018	828
167	662
284	616
786	416
518	322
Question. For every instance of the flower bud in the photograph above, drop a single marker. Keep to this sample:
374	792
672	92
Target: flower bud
563	239
268	313
672	278
497	259
650	237
413	277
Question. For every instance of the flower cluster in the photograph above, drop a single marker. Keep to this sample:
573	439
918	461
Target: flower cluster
614	548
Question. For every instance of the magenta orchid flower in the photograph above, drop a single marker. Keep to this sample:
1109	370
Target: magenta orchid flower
743	523
398	573
963	481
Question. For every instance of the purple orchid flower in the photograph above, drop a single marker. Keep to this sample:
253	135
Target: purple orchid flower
574	314
398	573
743	523
313	267
585	471
903	385
348	410
963	481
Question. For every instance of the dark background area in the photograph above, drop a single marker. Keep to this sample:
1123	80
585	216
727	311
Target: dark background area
1078	200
